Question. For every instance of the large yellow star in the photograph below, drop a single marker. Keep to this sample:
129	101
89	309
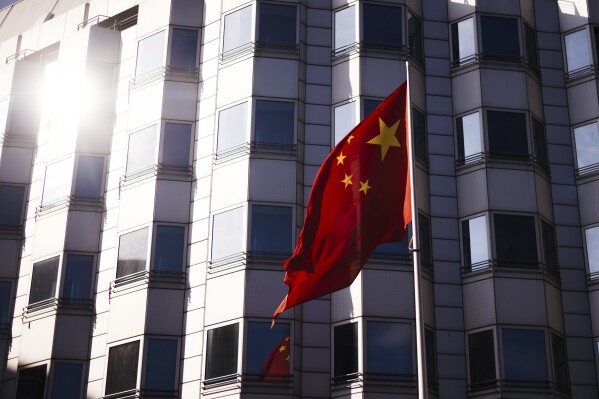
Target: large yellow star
340	159
386	138
364	187
347	180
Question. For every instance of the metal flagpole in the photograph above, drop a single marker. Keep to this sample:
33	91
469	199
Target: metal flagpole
420	344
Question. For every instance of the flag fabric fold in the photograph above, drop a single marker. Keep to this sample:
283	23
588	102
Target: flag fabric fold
276	365
360	198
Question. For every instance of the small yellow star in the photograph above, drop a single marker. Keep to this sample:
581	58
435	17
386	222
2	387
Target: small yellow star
340	159
349	139
287	339
347	180
287	358
364	187
386	138
282	348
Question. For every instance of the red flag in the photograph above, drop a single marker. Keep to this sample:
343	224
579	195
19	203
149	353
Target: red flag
276	365
360	198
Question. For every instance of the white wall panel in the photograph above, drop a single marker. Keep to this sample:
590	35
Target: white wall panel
194	321
504	89
264	291
388	293
100	324
235	82
521	182
380	77
50	232
179	100
220	304
165	312
8	48
194	297
172	201
520	301
127	315
145	105
97	368
51	31
153	14
272	180
24	104
94	134
230	185
36	340
275	77
479	304
83	231
137	206
72	337
15	164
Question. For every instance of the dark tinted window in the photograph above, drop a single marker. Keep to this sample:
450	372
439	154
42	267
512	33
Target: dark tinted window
177	140
382	25
11	205
507	133
345	351
271	230
530	41
66	382
121	374
395	250
431	357
78	277
481	357
132	252
43	280
32	382
90	173
268	353
161	365
538	135
389	349
221	351
549	250
419	131
170	245
184	47
274	123
560	362
524	356
414	36
277	24
424	235
500	37
596	30
5	296
369	106
455	43
515	239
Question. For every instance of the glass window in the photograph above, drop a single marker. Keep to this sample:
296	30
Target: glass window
389	349
238	30
121	373
475	244
184	48
424	237
481	359
11	205
31	383
500	37
177	141
470	146
141	152
530	43
419	131
5	299
463	44
133	248
524	356
560	363
507	133
515	239
395	250
540	143
57	183
66	382
90	174
161	365
596	31
369	107
227	233
78	277
268	353
577	51
277	24
549	250
221	351
345	351
169	249
232	127
275	123
382	25
345	29
415	36
271	230
4	115
592	246
345	120
150	54
43	280
431	357
587	148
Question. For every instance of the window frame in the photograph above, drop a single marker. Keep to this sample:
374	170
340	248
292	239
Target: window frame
247	129
548	356
161	140
553	371
364	341
9	314
340	379
256	22
474	158
494	155
473	58
44	364
496	360
250	214
520	33
144	363
543	251
140	355
245	342
240	341
252	124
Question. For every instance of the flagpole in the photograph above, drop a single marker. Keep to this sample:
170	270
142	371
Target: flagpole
420	344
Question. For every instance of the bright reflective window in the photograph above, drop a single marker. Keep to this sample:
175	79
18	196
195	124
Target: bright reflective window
227	233
184	49
78	277
43	280
11	205
463	40
345	120
345	28
176	144
578	55
470	146
150	54
389	349
232	128
132	256
475	243
524	356
587	148
89	178
57	182
141	153
592	246
277	24
238	30
268	351
271	230
169	249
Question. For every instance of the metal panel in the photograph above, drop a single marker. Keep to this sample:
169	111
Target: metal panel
347	303
479	304
472	193
583	102
544	202
511	190
589	206
137	206
50	233
555	317
36	340
83	231
72	337
235	82
504	89
389	293
15	164
520	301
230	185
172	201
272	180
345	78
127	315
10	250
264	291
145	105
275	77
220	305
535	96
466	90
165	312
379	77
594	302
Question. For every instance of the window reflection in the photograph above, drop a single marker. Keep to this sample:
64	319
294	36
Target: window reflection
389	350
133	249
268	353
524	356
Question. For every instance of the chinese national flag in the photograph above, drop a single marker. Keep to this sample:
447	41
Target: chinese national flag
360	199
276	365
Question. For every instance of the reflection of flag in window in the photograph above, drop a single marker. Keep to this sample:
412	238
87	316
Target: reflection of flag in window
276	365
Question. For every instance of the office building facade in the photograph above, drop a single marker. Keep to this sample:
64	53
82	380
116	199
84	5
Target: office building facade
156	158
